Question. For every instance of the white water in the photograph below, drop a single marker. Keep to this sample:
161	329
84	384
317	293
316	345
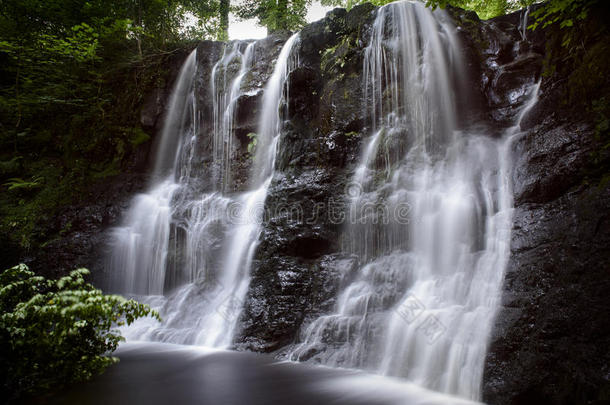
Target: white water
523	23
430	219
186	248
270	124
226	96
140	248
432	257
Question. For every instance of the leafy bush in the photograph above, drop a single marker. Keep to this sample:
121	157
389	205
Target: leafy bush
569	14
57	332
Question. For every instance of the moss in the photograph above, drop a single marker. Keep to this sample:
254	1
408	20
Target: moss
470	22
106	171
588	86
138	136
335	58
11	167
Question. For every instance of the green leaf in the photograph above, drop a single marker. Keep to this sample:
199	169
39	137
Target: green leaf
63	327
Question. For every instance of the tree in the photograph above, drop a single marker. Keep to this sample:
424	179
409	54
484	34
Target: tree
57	332
275	15
484	8
212	18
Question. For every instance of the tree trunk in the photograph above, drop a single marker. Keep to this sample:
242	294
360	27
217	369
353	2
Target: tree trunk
223	34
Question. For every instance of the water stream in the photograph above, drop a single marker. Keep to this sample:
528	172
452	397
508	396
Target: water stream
186	248
430	219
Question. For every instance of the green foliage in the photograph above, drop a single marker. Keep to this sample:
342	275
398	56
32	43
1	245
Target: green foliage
578	56
57	332
252	144
484	8
564	12
223	28
73	76
137	136
16	183
275	15
568	14
11	166
211	19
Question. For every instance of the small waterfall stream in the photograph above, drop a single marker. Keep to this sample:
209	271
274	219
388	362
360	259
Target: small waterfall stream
186	249
143	242
430	219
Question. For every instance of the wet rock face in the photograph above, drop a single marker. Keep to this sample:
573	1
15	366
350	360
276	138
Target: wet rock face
501	63
320	143
551	336
82	228
298	270
550	342
247	106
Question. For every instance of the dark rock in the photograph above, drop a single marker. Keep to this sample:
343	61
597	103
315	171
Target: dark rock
286	292
151	109
80	229
560	152
551	337
297	273
552	332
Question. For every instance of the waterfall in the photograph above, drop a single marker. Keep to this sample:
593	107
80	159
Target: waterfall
225	102
248	217
523	23
429	213
270	123
186	245
430	217
140	248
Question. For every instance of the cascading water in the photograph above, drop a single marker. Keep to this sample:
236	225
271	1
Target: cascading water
143	242
523	23
195	243
430	211
224	109
248	216
430	216
270	124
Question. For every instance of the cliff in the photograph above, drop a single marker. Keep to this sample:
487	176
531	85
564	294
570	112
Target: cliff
550	338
